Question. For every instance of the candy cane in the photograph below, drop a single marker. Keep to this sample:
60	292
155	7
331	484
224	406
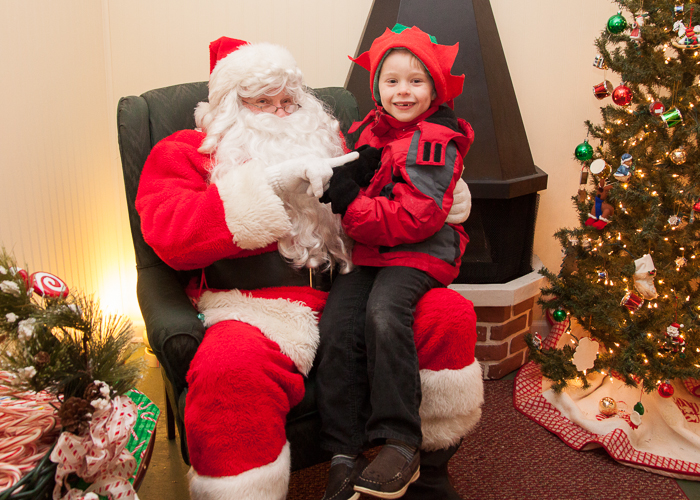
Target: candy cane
28	429
9	476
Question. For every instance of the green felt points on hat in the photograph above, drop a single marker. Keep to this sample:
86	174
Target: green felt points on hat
398	28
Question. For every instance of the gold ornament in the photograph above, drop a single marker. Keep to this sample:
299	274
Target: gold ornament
678	156
607	406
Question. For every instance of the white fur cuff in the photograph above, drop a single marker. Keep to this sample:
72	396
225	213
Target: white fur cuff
254	214
269	482
292	325
451	405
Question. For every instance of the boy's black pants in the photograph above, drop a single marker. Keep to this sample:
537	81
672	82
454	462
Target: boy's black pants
367	380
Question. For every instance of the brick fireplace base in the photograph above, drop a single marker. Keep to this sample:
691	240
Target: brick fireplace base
504	314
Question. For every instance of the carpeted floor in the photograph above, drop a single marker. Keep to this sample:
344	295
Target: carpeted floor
510	457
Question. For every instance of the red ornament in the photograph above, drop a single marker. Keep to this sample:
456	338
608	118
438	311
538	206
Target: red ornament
622	95
696	207
666	390
657	108
48	285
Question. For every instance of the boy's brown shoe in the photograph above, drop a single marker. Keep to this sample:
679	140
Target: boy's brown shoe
341	479
389	475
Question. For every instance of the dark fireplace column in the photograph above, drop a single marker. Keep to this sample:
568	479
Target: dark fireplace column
499	168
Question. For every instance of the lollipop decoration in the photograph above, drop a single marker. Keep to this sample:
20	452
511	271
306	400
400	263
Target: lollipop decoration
48	285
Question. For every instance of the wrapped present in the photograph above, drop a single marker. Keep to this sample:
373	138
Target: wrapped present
108	458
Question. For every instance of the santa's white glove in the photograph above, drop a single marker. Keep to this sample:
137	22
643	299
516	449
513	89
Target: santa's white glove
305	174
461	204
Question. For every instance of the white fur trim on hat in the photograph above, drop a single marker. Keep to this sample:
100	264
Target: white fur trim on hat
269	482
292	325
451	405
250	63
254	214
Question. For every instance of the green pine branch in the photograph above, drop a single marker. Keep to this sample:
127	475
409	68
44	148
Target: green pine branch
62	344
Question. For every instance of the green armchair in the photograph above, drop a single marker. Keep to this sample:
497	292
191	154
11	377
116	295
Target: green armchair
173	328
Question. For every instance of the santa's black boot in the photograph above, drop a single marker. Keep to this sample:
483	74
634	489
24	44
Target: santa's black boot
433	483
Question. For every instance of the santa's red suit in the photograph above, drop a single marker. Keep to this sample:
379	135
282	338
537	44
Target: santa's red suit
206	196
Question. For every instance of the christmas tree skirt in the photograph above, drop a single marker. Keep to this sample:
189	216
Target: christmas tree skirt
666	441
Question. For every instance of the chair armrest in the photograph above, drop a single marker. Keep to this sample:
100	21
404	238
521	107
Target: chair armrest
173	328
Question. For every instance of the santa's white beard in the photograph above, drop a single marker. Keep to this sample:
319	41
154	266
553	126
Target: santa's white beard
317	239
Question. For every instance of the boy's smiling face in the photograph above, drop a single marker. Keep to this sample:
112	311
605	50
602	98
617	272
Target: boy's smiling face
405	88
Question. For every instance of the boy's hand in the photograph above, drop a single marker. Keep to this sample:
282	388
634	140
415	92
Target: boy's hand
340	193
363	168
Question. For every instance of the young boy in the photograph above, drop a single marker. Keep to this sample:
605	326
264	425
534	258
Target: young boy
368	383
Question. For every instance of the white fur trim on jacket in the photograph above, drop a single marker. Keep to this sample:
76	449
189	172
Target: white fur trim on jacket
255	215
269	482
451	405
292	325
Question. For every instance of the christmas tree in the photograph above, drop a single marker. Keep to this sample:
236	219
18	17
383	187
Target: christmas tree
630	273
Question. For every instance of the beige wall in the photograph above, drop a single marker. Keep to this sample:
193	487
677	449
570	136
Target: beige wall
66	63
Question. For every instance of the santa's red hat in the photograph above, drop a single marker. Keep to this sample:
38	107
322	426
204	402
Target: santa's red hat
218	49
253	68
438	59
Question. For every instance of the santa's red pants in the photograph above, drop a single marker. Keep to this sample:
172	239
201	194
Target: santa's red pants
241	388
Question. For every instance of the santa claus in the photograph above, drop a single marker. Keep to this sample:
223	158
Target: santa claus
243	187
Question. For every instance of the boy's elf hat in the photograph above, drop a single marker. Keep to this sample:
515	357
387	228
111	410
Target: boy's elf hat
438	59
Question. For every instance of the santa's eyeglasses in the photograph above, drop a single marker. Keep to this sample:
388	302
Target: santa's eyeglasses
271	108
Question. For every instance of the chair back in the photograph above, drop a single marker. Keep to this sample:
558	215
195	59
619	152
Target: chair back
144	120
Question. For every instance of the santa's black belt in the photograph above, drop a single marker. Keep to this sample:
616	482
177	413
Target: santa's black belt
261	271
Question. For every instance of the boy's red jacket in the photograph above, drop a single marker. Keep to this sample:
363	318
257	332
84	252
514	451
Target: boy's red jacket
399	219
